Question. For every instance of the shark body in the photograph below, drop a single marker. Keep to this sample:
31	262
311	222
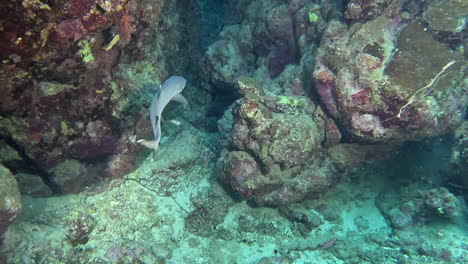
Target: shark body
170	90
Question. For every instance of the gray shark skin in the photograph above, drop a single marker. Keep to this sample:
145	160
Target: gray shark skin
170	90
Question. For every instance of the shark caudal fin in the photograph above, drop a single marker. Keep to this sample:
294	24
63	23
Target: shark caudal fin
152	144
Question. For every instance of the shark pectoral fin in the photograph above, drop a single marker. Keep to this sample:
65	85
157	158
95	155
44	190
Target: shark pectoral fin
152	144
180	99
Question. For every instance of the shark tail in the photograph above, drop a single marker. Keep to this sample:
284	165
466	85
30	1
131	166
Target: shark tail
152	144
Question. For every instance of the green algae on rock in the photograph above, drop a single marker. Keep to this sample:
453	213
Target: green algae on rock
250	89
447	16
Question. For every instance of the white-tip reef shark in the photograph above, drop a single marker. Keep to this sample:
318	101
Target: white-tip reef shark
170	90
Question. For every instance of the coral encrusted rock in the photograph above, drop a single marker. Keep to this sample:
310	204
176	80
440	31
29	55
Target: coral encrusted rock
10	200
73	75
275	154
391	78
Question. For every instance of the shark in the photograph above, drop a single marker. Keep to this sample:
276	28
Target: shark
169	91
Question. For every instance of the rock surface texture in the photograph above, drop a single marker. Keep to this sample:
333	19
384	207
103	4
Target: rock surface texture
392	71
72	77
10	200
394	77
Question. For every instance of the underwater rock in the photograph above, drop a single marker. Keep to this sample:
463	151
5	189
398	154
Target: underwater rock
69	175
441	202
281	149
9	157
296	213
224	63
209	212
280	23
282	55
364	10
274	260
10	200
62	96
269	38
459	156
390	79
79	230
276	154
420	205
32	185
446	16
349	154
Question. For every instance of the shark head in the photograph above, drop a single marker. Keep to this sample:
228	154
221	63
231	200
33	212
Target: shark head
176	83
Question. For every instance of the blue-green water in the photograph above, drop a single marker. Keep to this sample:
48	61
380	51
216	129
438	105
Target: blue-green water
315	132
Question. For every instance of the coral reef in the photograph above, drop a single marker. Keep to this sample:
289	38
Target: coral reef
278	151
390	78
309	135
63	97
420	206
364	10
268	39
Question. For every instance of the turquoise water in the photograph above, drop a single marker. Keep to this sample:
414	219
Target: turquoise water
315	132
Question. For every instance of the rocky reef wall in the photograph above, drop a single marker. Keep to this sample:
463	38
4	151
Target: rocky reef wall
74	82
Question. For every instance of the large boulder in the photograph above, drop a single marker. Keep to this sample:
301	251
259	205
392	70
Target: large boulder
265	39
10	200
393	78
275	153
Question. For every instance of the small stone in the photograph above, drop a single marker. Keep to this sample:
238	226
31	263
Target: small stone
69	176
249	88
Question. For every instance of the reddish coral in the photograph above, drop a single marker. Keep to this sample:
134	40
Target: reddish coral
324	87
333	134
79	8
325	77
375	100
95	21
13	40
361	96
241	171
70	30
127	27
107	60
